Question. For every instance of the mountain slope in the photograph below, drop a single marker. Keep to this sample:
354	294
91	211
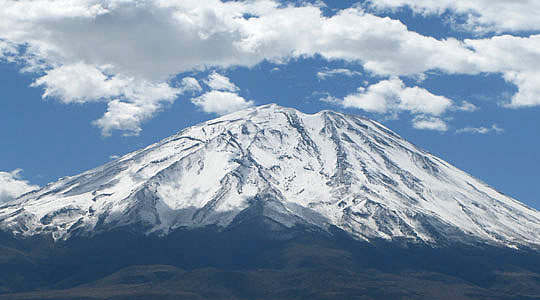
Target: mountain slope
292	169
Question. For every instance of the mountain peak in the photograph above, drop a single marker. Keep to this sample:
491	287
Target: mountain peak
318	170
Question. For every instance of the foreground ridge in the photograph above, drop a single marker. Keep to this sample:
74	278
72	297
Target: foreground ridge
316	171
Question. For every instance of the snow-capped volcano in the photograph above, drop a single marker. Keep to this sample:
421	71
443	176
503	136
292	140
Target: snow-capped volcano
320	170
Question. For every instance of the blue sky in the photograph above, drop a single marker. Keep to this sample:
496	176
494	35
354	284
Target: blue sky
86	81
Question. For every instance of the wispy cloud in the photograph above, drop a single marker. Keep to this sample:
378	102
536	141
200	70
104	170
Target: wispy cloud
481	130
327	73
466	106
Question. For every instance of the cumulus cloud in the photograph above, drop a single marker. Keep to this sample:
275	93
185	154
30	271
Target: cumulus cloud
141	102
429	123
217	81
221	102
80	83
326	73
392	96
481	130
12	185
177	36
115	51
130	101
478	15
517	58
222	98
190	84
528	88
126	53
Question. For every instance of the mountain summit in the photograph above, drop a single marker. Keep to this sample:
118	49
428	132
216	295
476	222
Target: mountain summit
288	168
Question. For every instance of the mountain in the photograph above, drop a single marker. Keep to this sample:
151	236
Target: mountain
271	203
320	170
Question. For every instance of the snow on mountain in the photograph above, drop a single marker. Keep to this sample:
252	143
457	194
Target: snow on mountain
314	170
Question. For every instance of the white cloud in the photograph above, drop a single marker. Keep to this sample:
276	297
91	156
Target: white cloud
528	88
221	102
505	53
466	106
130	101
383	46
8	51
141	102
223	97
429	123
80	83
517	58
127	52
481	130
12	185
324	74
392	96
330	99
154	40
479	15
379	98
419	100
190	84
219	82
126	116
